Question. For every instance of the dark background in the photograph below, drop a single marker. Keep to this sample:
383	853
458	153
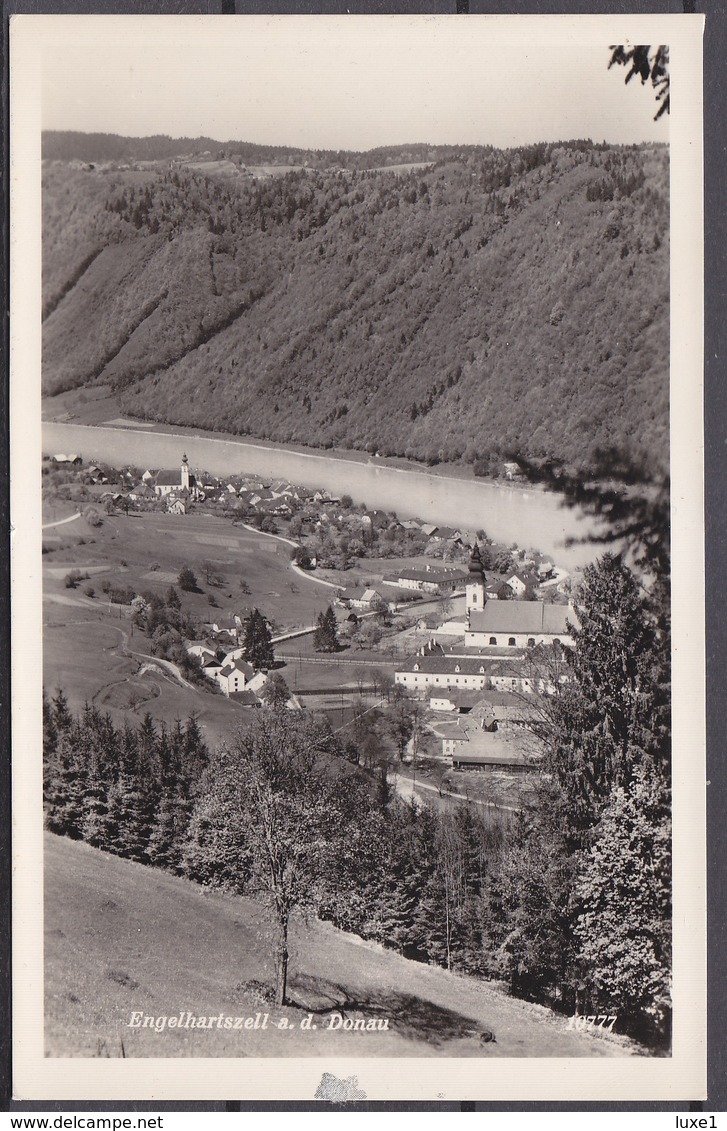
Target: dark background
715	436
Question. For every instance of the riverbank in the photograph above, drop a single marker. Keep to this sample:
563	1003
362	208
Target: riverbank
526	516
81	406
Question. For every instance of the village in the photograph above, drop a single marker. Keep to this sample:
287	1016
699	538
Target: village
429	647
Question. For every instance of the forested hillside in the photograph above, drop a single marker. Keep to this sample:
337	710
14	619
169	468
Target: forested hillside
488	302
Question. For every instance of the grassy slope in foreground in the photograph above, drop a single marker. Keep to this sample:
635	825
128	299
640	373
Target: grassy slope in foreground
122	937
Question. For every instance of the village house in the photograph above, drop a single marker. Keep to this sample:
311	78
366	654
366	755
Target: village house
72	460
517	583
454	702
235	676
428	580
480	749
360	598
201	650
435	669
229	623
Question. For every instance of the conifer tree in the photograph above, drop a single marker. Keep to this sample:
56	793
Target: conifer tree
257	642
325	638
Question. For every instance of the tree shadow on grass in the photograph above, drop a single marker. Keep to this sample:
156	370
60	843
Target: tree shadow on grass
410	1016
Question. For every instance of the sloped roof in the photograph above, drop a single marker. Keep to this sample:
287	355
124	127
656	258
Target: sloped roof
246	698
433	576
169	478
521	616
240	666
446	665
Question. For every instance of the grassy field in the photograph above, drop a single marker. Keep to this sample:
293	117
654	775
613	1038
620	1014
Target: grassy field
90	648
145	552
121	938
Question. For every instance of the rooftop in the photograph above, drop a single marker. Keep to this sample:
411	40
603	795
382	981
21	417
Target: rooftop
522	616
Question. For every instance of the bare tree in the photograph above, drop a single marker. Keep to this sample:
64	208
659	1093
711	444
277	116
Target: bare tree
282	783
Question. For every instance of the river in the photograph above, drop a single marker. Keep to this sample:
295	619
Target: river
528	516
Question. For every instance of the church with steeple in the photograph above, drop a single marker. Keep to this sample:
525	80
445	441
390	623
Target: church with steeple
510	624
179	481
475	588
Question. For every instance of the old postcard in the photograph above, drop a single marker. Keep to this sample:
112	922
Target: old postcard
358	667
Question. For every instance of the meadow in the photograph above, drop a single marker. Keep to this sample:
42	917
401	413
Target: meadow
90	647
123	938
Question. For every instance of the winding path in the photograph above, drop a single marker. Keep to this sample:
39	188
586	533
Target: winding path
296	568
61	521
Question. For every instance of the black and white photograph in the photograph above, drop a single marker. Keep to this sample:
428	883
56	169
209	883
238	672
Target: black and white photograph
358	629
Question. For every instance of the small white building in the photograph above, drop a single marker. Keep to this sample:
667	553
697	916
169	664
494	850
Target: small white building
235	677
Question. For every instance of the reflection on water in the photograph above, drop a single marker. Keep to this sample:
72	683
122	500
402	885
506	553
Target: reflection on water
531	518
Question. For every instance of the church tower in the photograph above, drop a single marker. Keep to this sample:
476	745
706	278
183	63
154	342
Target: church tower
475	588
184	481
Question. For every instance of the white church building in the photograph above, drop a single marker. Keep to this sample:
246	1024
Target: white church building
511	624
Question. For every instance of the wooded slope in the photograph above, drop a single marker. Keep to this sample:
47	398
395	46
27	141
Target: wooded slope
492	302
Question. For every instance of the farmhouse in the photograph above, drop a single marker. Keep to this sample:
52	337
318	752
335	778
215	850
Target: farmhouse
360	598
483	750
428	580
433	669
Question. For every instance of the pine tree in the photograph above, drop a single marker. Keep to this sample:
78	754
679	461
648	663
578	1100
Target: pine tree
325	638
624	889
257	642
602	719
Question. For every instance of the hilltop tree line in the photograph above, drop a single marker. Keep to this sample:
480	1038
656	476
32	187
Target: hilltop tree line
570	904
435	314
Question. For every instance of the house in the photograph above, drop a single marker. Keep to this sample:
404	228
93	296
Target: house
226	623
245	698
427	580
512	470
455	702
235	676
71	460
502	710
480	749
360	598
176	506
142	491
428	529
434	669
257	682
517	583
201	650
